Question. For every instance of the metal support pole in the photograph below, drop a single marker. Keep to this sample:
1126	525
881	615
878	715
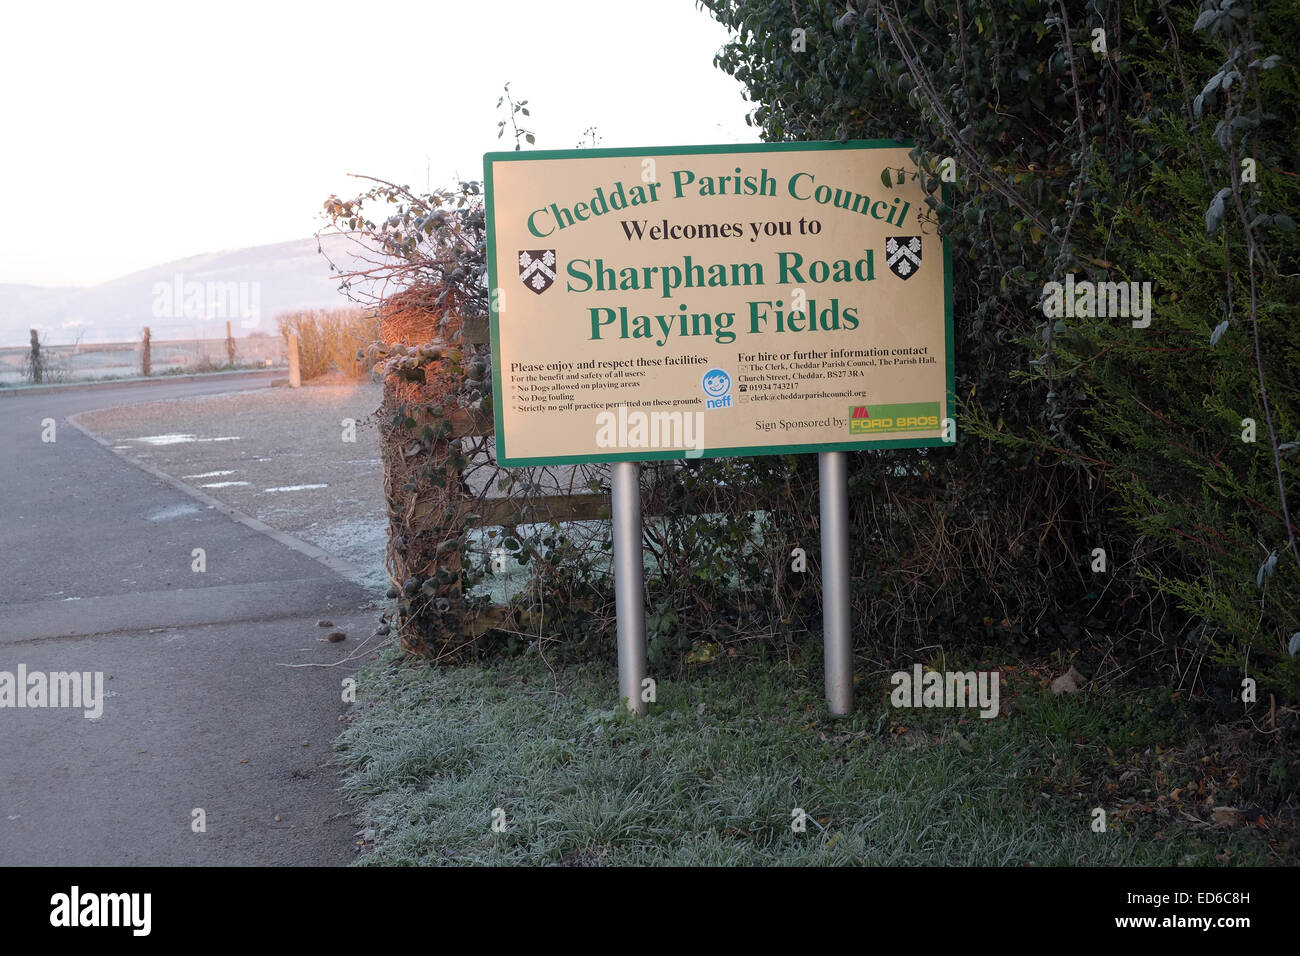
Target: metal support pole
629	581
837	622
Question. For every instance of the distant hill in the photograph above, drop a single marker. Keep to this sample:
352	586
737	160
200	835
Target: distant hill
189	298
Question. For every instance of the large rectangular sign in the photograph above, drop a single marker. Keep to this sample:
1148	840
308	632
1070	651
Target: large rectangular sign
715	300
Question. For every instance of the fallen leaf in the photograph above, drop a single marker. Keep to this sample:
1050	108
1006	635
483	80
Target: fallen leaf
1227	817
1068	683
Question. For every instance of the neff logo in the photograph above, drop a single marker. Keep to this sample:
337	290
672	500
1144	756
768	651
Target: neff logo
102	909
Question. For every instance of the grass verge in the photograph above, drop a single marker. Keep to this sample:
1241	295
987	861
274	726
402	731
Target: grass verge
731	750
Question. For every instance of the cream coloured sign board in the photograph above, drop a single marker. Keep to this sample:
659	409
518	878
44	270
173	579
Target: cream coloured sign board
715	300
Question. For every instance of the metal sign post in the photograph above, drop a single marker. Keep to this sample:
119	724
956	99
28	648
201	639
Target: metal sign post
836	627
629	577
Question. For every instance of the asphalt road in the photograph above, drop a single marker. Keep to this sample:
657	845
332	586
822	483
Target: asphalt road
97	575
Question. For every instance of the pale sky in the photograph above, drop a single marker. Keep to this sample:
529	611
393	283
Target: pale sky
138	133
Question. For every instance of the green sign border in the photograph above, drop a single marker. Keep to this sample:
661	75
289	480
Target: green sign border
680	453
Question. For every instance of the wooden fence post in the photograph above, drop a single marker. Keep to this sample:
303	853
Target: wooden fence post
145	357
295	376
36	358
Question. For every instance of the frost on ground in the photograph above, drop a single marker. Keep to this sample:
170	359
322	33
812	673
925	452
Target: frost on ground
357	542
278	455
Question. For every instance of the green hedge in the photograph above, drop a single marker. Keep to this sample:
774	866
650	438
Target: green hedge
1082	433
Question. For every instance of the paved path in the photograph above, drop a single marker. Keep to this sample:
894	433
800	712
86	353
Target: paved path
96	575
278	455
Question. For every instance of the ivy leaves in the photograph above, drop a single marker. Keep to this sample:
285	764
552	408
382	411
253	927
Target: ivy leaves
1266	570
1214	215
